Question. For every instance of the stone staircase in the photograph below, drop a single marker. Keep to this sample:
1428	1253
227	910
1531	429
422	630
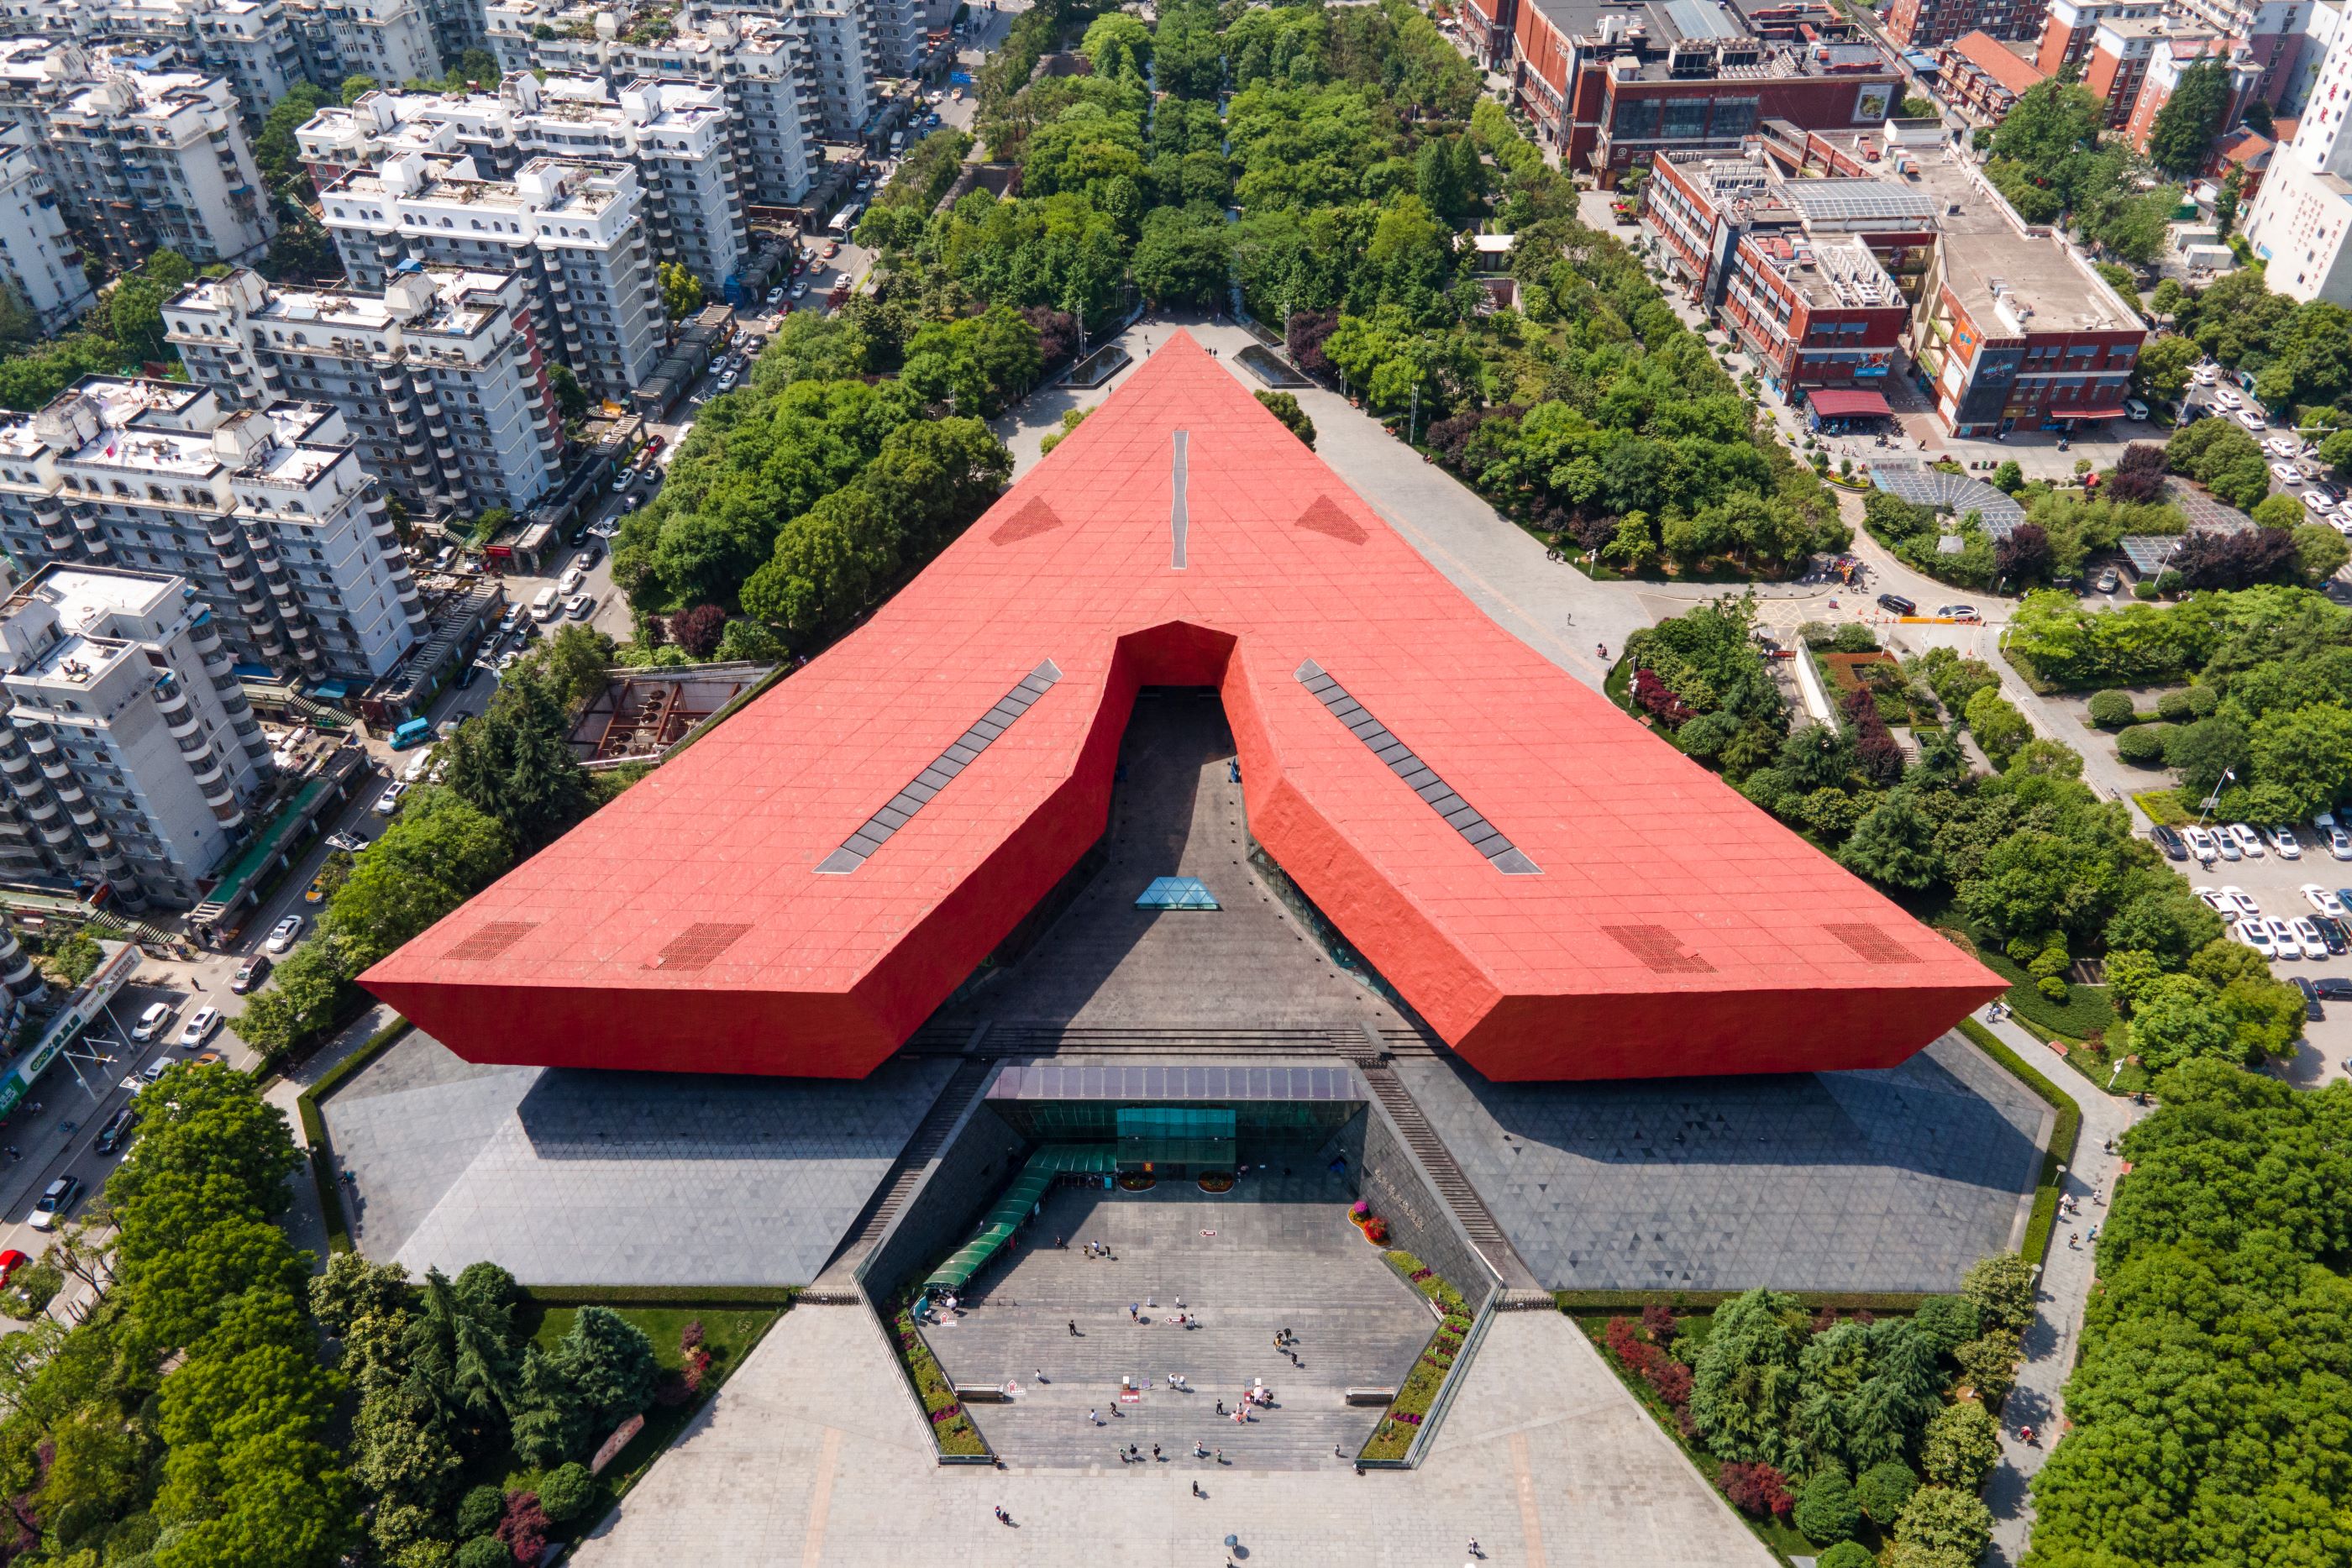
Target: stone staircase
836	1286
1446	1177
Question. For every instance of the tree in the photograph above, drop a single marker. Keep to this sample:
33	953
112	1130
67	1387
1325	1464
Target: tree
1999	727
514	765
2182	136
2320	552
569	398
1894	844
1285	407
2000	1287
2162	370
697	630
1883	1489
1961	1447
610	1364
2022	555
352	1289
682	290
1846	1555
567	1491
437	855
1826	1509
1952	1524
1182	258
2009	477
1745	1386
356	88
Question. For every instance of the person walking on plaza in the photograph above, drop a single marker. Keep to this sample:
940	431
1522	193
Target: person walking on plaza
1074	1328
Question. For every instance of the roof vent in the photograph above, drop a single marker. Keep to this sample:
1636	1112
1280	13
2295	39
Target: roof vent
1031	520
491	941
1323	516
1659	948
1872	945
699	946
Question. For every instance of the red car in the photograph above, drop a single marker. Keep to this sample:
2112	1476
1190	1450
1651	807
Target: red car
10	1262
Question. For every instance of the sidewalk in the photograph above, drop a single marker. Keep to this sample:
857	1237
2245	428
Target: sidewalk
2065	1286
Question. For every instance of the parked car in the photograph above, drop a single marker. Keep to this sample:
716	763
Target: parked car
580	606
56	1202
1897	604
250	973
2169	840
2227	843
151	1020
2335	934
289	931
2248	840
2287	474
2311	1011
2108	580
2307	937
200	1028
154	1071
389	801
2340	843
2201	845
775	297
2335	988
2289	847
2238	898
118	1128
2323	902
10	1262
2287	942
2256	934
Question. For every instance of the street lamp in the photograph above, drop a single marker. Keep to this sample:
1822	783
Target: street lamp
2228	776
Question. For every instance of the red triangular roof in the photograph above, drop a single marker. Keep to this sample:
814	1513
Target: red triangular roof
1653	921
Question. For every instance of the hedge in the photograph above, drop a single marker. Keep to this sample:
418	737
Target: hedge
682	1298
2060	1152
314	1129
1574	1301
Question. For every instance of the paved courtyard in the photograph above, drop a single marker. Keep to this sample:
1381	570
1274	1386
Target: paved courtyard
1278	1253
814	1454
1892	1180
577	1178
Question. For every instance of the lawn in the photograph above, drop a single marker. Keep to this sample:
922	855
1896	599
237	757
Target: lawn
2166	807
728	1333
2086	1008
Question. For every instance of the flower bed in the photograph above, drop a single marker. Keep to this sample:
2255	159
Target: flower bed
949	1424
1375	1228
1394	1437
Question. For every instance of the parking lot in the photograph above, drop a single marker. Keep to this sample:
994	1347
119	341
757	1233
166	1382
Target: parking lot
2275	882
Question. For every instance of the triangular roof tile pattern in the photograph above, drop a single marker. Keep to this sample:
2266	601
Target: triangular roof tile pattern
1629	915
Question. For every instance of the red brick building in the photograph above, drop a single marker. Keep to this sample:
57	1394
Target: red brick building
1615	90
2068	28
1983	78
1924	23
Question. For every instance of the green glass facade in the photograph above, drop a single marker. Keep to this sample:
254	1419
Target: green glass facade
1175	1140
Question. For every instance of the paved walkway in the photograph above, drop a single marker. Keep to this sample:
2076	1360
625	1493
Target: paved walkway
2052	1341
814	1454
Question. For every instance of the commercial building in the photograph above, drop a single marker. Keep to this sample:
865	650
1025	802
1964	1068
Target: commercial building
1983	78
1556	892
1794	267
2301	222
42	261
438	377
151	158
675	133
778	104
268	516
577	230
130	756
1611	89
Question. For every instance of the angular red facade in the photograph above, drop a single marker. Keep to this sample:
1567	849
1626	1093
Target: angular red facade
1558	894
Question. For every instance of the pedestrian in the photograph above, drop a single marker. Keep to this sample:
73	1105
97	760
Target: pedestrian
1220	1407
1074	1328
1197	1491
1133	1316
1473	1548
1336	1453
1221	1456
1041	1375
1094	1417
1155	1453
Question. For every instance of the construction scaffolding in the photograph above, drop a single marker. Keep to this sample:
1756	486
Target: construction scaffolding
641	714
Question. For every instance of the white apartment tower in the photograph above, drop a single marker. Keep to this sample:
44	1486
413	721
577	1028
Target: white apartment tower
2301	223
249	43
438	378
42	263
390	41
577	230
761	61
268	516
675	133
159	158
130	756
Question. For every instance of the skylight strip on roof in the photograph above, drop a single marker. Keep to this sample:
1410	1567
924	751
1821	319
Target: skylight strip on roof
1178	521
1419	777
859	846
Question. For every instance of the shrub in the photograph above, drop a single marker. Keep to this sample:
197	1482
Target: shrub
1826	1509
1961	1447
1853	637
2143	745
1755	1489
2001	1289
1883	1490
2176	707
1846	1555
478	1510
1818	634
2111	709
1944	1520
524	1528
484	1551
697	630
566	1491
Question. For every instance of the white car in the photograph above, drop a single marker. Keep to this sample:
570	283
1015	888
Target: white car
799	291
2325	900
2205	375
200	1028
2248	840
2255	933
726	382
56	1202
419	764
2289	847
2211	899
155	1069
389	801
2284	941
151	1021
2314	945
2340	843
2228	398
2283	446
2224	841
2238	898
287	931
775	297
2287	474
2252	420
2201	845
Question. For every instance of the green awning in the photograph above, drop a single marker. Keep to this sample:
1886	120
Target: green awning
1051	1161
